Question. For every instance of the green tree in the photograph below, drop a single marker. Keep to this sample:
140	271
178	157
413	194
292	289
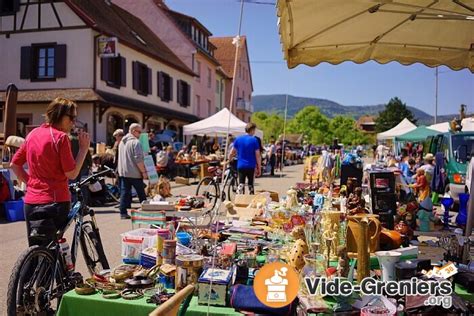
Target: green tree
395	111
344	128
311	122
271	125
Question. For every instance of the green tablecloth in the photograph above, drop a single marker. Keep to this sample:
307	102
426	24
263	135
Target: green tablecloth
94	305
73	304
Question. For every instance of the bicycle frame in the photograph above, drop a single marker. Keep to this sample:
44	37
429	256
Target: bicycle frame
77	213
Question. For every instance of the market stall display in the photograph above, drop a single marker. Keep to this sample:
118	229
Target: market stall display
220	259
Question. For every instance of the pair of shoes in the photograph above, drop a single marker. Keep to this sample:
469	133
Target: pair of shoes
126	216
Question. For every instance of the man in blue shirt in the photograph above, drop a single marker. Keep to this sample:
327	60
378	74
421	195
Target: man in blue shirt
249	161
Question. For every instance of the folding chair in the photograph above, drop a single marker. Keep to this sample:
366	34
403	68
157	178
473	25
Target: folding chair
172	306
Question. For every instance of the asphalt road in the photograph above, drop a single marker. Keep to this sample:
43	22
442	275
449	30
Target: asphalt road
13	235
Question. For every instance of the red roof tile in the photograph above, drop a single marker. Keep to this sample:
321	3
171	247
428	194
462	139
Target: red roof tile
49	95
114	21
366	119
225	52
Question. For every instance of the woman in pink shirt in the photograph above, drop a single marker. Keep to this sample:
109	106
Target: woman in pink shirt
47	153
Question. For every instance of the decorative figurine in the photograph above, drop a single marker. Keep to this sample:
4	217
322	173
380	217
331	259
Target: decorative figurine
318	201
425	215
405	230
298	233
351	184
297	252
343	263
291	198
343	199
355	202
422	187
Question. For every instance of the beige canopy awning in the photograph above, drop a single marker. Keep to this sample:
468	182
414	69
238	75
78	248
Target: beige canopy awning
432	32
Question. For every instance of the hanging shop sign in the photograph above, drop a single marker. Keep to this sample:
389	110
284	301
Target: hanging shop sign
107	47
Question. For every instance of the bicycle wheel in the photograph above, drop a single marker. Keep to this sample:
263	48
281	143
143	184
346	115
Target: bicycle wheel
92	249
208	188
232	187
31	281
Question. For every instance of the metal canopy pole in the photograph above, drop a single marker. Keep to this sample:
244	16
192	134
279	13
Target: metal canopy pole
470	208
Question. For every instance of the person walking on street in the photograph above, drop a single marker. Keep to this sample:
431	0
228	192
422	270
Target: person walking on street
118	135
47	152
86	166
131	169
272	155
249	160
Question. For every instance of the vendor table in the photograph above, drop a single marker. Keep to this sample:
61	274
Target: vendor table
73	304
184	168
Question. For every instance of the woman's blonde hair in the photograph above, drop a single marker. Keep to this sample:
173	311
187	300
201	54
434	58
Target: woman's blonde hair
58	108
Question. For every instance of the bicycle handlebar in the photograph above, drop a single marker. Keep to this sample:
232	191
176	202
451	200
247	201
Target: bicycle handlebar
90	179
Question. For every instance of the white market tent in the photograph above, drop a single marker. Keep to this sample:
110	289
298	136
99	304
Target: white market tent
440	127
218	124
403	127
467	125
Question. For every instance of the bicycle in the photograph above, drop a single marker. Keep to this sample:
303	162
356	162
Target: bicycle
40	275
209	187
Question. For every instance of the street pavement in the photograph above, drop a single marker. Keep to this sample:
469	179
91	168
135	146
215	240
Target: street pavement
13	235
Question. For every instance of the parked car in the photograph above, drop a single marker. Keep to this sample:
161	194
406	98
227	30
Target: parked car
457	149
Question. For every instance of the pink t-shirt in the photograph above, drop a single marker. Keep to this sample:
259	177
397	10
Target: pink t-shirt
47	151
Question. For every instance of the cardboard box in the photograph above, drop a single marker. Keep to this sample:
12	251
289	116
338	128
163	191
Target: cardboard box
221	280
241	204
181	180
149	205
273	195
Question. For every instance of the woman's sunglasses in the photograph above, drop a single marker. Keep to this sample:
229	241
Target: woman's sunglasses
72	117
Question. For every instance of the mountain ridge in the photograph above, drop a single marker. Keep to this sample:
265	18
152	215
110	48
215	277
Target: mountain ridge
275	103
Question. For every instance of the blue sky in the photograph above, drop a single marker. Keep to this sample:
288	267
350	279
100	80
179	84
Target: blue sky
347	83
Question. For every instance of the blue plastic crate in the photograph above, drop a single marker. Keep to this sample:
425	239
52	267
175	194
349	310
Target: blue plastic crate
14	210
147	261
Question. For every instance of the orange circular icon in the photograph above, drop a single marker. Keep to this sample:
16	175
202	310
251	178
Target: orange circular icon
276	284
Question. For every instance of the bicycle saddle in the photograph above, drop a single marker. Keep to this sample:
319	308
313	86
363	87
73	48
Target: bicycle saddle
212	169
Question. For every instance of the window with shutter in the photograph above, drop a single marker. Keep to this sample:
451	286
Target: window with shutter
198	70
179	94
160	84
113	71
43	62
209	78
142	78
170	90
198	105
25	65
184	93
187	94
165	86
60	61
